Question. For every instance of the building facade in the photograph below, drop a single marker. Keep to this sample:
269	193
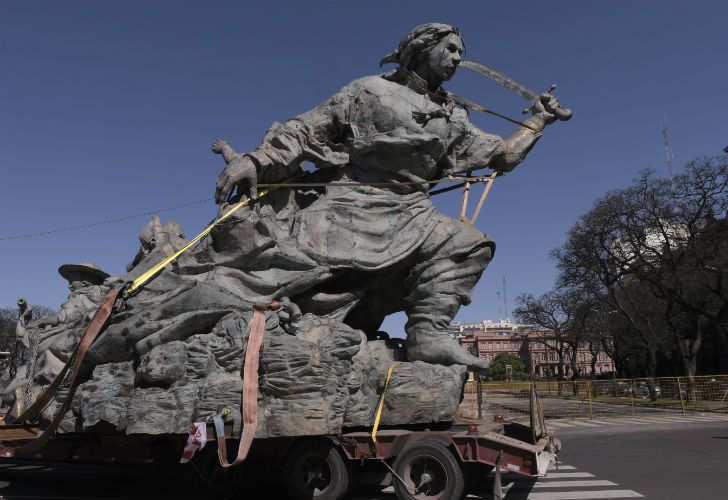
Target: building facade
537	349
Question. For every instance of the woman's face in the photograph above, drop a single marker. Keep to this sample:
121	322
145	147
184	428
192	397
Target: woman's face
443	59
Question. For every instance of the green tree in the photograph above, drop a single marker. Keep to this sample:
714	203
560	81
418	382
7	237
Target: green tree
498	371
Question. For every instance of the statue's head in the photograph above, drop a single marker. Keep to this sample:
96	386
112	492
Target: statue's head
432	47
82	275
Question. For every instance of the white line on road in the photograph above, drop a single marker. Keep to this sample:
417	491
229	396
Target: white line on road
671	419
606	422
584	495
568	475
573	484
581	423
633	420
557	424
562	467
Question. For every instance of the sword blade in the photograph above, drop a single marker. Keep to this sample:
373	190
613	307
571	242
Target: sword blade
501	79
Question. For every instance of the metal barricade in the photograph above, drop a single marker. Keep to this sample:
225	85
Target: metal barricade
600	398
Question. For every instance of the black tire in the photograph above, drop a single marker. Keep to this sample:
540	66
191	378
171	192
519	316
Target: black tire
429	470
315	469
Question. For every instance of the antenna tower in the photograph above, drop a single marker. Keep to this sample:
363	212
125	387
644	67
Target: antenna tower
505	298
500	306
667	152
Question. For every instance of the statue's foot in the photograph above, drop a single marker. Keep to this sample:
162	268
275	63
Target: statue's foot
441	349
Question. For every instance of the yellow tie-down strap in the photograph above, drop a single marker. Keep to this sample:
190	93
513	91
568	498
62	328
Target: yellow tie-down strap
381	402
141	280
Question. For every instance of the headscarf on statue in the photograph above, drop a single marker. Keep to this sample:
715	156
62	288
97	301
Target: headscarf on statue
422	38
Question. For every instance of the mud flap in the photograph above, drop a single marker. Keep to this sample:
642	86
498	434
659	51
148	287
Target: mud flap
497	484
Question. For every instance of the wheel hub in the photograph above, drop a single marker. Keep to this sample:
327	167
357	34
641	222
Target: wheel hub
425	480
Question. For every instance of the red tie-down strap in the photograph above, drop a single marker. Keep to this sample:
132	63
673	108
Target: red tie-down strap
94	328
249	403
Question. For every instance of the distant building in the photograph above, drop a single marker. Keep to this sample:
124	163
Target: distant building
488	339
544	360
502	327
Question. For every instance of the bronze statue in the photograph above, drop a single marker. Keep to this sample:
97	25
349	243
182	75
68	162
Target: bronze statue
359	240
358	253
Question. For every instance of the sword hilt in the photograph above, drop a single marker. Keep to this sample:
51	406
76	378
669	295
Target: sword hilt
562	114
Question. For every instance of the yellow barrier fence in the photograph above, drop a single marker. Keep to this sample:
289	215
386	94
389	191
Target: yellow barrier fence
591	399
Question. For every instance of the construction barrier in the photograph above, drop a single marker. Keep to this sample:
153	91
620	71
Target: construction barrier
599	398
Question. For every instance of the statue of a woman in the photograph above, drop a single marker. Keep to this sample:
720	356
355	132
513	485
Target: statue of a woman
358	253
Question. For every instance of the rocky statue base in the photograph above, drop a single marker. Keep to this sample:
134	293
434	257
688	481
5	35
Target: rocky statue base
175	354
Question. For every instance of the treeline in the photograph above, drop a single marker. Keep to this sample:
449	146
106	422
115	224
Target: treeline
643	276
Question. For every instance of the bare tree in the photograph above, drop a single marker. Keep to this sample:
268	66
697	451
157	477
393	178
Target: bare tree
8	320
552	315
653	254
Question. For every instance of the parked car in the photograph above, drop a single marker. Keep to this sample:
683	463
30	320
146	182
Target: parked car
642	389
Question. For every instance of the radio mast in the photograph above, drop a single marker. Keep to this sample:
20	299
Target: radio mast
505	298
667	152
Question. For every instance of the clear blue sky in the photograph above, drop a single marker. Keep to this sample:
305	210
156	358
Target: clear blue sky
108	109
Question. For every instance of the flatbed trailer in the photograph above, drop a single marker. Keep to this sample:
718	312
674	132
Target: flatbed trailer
439	461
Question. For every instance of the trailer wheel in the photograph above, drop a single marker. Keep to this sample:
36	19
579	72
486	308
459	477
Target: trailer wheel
315	469
429	471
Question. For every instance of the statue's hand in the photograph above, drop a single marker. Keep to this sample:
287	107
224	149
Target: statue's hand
289	316
240	171
218	145
546	106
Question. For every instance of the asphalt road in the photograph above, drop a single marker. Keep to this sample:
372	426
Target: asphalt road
676	459
665	461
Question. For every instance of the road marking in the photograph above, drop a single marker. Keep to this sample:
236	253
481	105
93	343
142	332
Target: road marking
558	425
657	420
671	419
562	467
573	484
636	420
568	475
584	495
582	423
606	422
633	420
28	467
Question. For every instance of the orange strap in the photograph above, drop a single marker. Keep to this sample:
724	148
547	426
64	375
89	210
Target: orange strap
249	403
